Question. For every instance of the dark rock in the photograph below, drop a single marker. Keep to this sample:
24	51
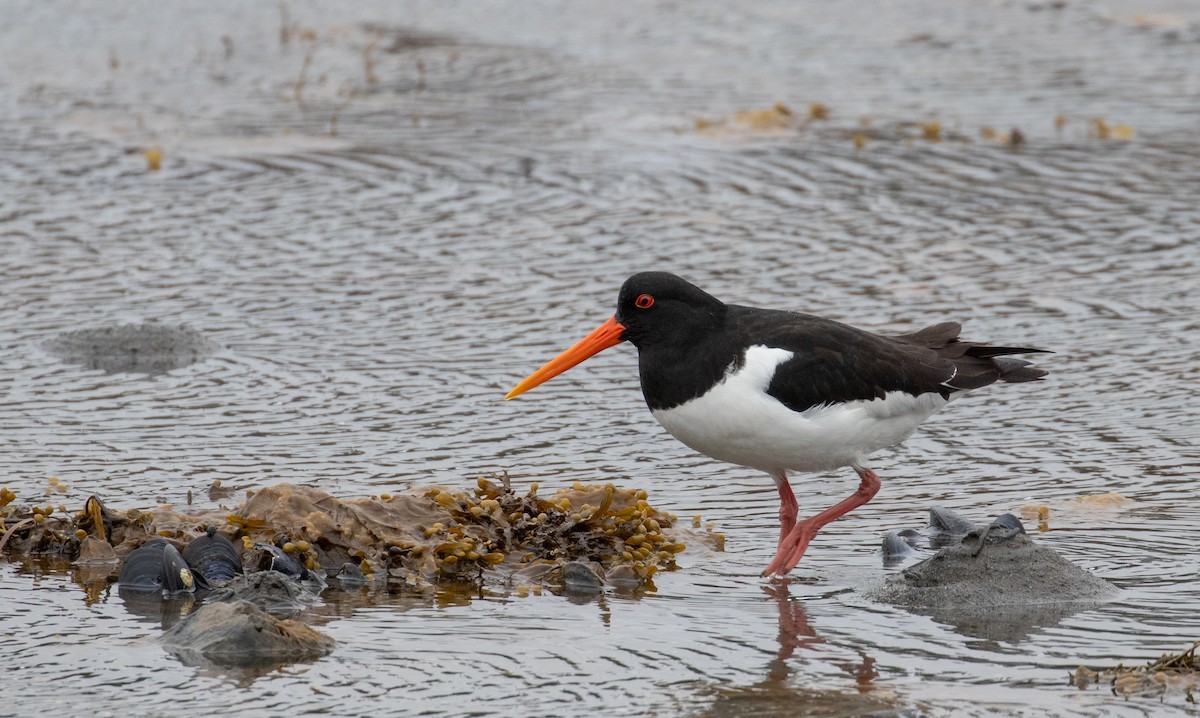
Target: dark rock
149	348
238	633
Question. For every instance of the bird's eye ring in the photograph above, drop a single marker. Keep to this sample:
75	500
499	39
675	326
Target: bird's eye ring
644	301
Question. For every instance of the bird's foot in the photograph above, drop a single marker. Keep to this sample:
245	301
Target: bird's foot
791	549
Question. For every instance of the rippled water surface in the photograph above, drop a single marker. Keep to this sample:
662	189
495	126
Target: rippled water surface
386	214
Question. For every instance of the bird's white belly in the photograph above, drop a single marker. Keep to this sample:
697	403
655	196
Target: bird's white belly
738	422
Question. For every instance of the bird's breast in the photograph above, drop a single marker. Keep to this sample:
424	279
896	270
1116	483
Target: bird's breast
736	420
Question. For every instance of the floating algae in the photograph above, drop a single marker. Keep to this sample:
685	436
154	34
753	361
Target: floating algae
416	537
1177	674
440	533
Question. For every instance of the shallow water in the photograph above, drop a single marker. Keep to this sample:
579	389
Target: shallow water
386	215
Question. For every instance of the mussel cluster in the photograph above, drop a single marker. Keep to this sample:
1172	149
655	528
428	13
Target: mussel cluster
156	566
214	557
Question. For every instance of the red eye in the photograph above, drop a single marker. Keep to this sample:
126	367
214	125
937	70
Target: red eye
644	301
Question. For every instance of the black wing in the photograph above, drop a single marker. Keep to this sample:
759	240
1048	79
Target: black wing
835	362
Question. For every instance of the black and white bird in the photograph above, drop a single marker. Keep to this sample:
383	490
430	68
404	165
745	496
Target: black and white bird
783	391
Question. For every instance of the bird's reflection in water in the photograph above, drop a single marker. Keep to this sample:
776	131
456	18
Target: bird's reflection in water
794	629
775	695
796	632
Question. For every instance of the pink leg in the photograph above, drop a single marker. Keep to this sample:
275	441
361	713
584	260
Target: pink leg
793	546
788	508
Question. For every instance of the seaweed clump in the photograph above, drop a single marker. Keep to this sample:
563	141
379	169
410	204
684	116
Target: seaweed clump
415	537
1172	673
438	533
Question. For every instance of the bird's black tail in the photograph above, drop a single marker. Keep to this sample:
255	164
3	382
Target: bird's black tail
975	364
1010	370
1015	371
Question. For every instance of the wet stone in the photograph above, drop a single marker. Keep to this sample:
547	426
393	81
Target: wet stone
581	576
900	545
93	551
148	348
351	576
270	591
239	633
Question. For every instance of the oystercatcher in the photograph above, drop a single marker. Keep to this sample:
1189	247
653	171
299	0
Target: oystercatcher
783	391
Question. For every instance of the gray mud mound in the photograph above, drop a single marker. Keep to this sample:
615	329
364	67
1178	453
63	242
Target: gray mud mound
148	348
1002	590
238	633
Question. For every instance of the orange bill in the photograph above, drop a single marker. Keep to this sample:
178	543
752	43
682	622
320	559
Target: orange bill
606	335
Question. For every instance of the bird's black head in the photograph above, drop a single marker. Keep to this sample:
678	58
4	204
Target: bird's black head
657	307
662	315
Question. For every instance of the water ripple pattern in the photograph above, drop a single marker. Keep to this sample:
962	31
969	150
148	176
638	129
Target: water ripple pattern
384	216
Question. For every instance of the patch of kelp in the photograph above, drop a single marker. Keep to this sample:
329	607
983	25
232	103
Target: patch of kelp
414	537
1173	673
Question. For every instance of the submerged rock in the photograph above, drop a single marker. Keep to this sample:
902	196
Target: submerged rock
582	577
150	347
271	591
238	633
